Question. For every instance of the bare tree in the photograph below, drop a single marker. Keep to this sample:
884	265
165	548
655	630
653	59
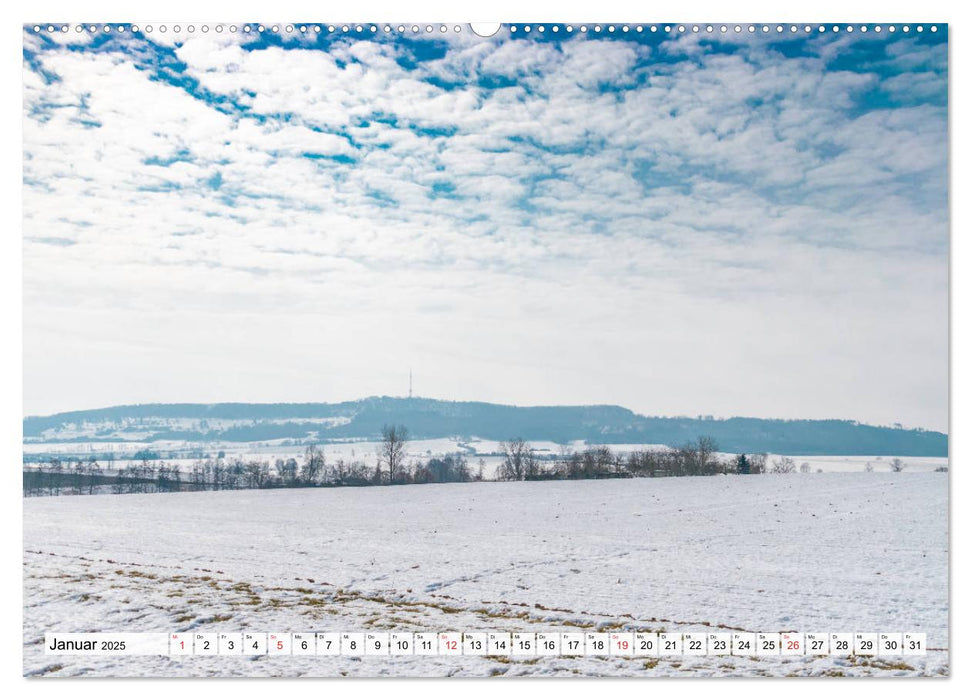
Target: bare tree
757	462
706	454
257	474
287	471
95	474
518	461
783	465
54	477
340	470
78	472
897	464
393	439
313	464
163	479
217	471
804	468
234	473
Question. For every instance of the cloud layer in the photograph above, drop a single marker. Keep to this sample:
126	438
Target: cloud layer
682	224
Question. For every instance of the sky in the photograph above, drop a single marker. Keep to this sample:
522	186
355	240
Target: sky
723	224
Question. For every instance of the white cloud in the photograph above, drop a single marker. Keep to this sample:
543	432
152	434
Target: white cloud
725	233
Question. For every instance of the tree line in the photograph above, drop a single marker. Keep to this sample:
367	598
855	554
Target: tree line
698	458
151	474
519	462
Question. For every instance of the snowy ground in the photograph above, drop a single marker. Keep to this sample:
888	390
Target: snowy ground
848	552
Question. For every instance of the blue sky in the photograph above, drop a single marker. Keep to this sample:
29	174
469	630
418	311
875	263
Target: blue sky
698	223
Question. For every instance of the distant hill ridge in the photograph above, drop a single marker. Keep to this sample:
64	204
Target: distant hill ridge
432	418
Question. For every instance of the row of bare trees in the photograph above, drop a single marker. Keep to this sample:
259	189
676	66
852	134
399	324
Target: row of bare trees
57	477
520	462
699	458
154	475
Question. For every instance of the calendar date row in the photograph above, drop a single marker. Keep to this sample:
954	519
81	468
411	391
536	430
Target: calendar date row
378	644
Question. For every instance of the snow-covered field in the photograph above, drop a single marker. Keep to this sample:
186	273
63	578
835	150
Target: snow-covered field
827	552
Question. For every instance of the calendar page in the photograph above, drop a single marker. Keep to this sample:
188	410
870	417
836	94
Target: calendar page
422	349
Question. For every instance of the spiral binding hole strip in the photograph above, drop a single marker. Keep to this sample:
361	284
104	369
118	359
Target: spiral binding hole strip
512	29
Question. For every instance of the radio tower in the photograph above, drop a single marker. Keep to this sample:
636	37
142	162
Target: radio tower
409	383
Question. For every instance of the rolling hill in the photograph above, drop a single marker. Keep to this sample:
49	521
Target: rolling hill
431	418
